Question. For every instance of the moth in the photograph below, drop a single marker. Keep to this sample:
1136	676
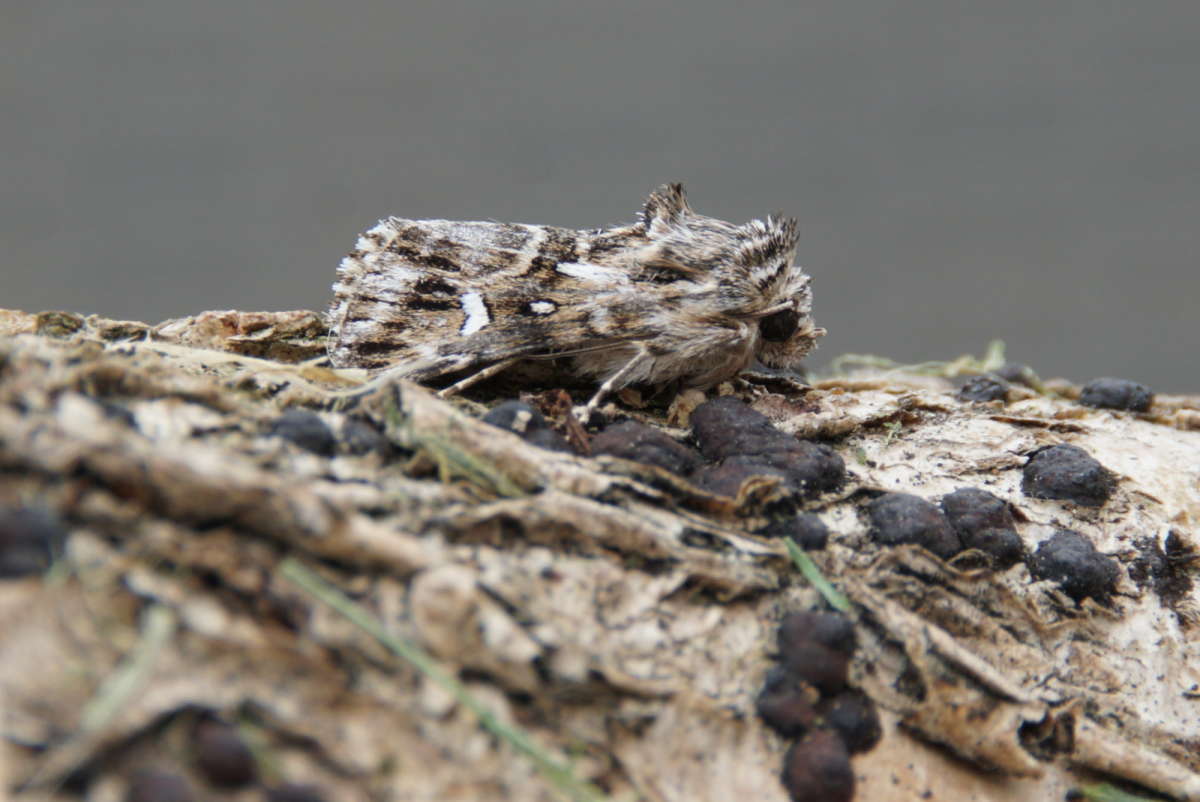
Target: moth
674	297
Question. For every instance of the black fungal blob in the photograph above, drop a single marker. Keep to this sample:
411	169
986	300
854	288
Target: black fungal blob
832	630
727	429
1111	393
642	443
903	518
807	530
985	387
221	756
815	648
295	792
1069	473
786	703
823	668
726	478
30	539
811	468
970	509
361	437
817	769
522	419
853	716
1070	559
985	522
306	430
725	426
1003	546
153	785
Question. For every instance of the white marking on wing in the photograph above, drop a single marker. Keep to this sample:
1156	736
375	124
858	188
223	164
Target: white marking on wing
476	312
592	273
542	307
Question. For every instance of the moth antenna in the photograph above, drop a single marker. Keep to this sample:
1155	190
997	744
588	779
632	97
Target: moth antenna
665	206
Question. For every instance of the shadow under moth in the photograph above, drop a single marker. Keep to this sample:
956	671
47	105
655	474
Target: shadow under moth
673	297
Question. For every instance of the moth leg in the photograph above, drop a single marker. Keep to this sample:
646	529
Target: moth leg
614	381
478	376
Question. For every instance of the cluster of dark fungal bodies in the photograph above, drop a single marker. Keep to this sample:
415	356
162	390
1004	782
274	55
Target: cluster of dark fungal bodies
972	518
1102	393
735	443
805	696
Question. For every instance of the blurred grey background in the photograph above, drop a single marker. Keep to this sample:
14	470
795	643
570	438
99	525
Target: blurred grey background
962	171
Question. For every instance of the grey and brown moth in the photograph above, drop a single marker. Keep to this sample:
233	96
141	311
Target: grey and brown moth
673	297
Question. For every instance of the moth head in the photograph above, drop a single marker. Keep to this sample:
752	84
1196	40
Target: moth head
752	266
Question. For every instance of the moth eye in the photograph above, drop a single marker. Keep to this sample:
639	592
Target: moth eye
780	326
